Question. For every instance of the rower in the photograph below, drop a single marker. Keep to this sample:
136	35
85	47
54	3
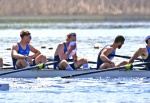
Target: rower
66	50
104	59
144	52
20	52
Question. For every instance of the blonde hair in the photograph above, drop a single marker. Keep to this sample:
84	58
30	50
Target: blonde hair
24	33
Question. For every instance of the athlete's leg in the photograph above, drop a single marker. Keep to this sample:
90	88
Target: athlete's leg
80	62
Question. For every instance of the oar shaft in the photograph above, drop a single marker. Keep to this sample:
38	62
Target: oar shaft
71	60
92	62
128	57
24	69
18	70
6	64
94	71
104	70
7	67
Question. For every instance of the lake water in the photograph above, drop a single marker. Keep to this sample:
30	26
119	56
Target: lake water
76	90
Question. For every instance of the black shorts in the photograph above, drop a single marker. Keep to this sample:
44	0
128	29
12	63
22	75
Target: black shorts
33	60
72	65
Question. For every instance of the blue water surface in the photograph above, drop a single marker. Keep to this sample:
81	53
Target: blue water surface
86	90
76	90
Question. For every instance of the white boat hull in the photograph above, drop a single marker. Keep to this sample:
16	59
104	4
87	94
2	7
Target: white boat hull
60	73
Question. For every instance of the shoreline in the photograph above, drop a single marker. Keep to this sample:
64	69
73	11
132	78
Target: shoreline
70	18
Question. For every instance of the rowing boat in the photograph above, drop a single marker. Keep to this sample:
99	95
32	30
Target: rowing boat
33	72
61	73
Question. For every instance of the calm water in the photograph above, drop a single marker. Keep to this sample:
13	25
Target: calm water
77	90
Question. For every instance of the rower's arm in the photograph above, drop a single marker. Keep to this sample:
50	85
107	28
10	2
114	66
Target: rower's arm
75	57
61	53
138	53
35	51
15	53
105	52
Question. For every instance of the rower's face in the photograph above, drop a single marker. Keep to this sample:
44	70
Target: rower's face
27	38
120	44
149	41
72	38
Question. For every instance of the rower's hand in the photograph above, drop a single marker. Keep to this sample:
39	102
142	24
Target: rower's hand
112	64
29	60
73	47
75	58
127	62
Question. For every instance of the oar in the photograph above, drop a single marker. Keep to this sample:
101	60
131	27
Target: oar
92	62
50	59
24	69
7	67
127	57
104	70
5	64
70	60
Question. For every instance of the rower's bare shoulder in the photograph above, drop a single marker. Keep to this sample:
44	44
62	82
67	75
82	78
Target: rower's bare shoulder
142	49
109	48
60	45
30	46
15	46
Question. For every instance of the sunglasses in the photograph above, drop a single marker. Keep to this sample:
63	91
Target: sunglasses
29	37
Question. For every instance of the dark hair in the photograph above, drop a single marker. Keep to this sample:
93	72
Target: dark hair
24	33
119	38
146	41
71	34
